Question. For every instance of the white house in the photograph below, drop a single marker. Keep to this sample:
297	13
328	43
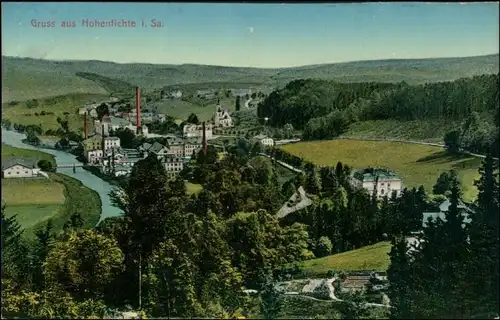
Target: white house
111	142
93	156
385	180
20	168
222	118
176	148
196	130
265	140
190	145
173	166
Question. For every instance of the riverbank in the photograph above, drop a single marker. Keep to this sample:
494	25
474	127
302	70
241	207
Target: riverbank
103	188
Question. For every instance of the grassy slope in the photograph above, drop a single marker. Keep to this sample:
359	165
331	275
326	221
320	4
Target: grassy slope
26	82
49	73
428	131
32	200
374	257
56	199
58	105
12	152
417	164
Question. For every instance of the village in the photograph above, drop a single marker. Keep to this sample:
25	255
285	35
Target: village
102	149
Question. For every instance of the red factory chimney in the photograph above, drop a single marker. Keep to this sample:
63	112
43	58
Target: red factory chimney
138	109
85	126
204	138
102	141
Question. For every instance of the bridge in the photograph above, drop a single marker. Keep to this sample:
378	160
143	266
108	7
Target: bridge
77	165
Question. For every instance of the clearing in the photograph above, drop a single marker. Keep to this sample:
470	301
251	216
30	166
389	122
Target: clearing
33	200
417	164
369	258
193	188
66	106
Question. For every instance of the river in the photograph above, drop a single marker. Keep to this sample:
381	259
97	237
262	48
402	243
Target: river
89	180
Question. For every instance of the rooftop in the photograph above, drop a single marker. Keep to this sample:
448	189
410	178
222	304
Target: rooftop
370	174
260	136
28	163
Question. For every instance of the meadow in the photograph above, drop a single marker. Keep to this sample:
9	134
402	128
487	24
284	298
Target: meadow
33	200
368	258
32	83
65	107
36	200
416	164
426	131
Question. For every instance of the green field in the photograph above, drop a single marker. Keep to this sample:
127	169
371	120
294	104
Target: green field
9	152
36	200
21	114
26	82
427	131
369	258
417	164
32	200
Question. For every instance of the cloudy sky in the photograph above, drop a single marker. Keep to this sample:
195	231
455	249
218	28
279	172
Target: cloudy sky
254	35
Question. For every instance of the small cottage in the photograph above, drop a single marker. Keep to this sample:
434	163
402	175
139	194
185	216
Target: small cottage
20	168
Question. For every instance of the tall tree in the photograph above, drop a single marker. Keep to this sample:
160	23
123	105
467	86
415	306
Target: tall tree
237	106
399	275
484	240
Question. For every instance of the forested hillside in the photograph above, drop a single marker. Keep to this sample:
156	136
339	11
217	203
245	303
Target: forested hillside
325	109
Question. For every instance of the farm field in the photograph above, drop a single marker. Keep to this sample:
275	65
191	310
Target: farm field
19	84
180	109
32	200
427	131
417	164
374	257
21	114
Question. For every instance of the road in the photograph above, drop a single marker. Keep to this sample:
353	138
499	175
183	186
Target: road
286	165
247	103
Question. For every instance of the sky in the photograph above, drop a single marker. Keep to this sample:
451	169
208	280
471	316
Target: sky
251	35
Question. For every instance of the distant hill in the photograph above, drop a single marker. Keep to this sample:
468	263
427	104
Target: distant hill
25	78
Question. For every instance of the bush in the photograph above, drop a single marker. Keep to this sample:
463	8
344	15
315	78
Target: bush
46	165
323	247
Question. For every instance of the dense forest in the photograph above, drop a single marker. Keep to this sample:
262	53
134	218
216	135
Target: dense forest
325	109
179	255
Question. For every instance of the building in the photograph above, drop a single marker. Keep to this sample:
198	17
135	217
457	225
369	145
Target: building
158	149
92	143
115	123
175	148
20	168
111	142
385	180
222	118
173	166
94	156
443	208
265	140
192	145
196	130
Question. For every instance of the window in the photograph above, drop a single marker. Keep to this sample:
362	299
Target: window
17	172
382	191
26	172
